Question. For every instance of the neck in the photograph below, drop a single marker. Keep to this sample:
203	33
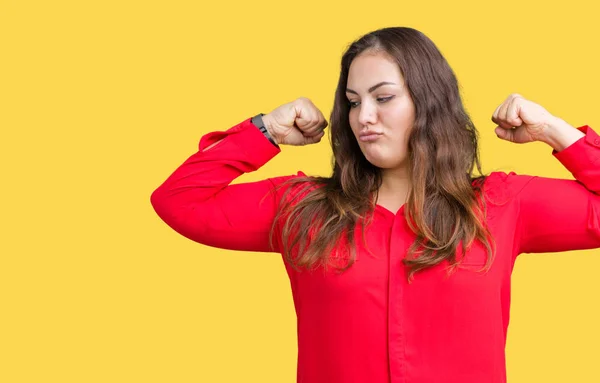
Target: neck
394	188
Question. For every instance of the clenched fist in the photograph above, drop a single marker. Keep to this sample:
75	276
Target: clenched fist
520	120
297	123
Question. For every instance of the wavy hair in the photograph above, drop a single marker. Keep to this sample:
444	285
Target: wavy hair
442	209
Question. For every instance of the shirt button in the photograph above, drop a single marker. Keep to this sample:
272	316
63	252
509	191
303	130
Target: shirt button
597	141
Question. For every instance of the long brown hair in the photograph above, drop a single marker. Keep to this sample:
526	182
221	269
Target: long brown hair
442	208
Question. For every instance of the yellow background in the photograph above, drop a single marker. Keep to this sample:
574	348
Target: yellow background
102	100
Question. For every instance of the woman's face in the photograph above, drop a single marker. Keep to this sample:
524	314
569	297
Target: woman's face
381	104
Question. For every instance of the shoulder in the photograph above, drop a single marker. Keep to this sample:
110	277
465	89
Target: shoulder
297	185
501	187
298	179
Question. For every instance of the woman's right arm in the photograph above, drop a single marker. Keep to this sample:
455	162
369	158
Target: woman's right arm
198	202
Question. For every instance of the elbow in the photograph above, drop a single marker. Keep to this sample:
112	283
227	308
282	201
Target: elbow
158	201
184	219
164	207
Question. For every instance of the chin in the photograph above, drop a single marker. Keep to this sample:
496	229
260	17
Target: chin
384	162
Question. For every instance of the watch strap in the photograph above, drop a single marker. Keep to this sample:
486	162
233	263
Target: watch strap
258	122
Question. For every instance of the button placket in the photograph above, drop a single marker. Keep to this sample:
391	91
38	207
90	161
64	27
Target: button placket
396	326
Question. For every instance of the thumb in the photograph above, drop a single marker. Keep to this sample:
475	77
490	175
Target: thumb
505	134
313	139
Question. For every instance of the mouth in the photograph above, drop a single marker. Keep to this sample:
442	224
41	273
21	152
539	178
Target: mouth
369	137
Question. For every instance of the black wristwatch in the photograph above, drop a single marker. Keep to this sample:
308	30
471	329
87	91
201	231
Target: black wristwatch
258	122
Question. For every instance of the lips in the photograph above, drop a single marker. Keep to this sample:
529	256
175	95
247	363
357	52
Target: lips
369	135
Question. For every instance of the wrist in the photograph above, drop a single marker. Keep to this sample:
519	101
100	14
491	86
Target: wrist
560	135
259	122
268	122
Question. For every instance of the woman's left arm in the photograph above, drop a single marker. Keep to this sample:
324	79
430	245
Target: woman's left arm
554	214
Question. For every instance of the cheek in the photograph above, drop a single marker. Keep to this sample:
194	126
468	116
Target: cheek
354	124
402	113
401	121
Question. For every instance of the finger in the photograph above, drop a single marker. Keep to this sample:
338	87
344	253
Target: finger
322	123
505	134
313	139
311	128
495	114
313	133
512	113
323	119
503	110
501	115
311	115
304	116
306	126
317	125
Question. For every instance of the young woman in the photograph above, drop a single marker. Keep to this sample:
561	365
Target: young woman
400	262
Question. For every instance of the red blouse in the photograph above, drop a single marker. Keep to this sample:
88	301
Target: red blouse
368	324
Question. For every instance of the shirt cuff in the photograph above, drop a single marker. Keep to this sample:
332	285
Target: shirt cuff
582	154
244	138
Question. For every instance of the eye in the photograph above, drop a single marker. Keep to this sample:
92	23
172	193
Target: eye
381	100
385	99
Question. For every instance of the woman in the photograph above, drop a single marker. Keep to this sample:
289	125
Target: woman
400	262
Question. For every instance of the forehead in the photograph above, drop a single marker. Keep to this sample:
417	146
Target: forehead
368	69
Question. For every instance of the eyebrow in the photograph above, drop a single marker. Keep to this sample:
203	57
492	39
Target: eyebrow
371	88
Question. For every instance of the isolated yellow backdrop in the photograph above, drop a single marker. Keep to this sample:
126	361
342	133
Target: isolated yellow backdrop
102	100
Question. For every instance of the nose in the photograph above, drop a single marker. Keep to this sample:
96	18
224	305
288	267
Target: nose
367	114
